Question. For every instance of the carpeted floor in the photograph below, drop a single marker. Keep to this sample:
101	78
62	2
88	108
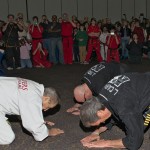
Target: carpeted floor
64	78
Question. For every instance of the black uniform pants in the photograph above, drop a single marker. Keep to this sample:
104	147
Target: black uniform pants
12	55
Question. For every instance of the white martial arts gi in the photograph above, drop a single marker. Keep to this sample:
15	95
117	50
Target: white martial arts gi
21	97
104	48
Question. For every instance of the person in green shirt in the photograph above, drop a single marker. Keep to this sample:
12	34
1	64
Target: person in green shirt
82	38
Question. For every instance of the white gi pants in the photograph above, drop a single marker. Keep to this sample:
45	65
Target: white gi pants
7	136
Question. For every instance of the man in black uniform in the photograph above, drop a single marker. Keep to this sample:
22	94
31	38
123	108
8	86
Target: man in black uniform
93	81
10	38
124	99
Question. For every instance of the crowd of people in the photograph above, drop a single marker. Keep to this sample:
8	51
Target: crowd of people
65	41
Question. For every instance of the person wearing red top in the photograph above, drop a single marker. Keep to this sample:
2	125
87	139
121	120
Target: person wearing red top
93	41
139	31
113	41
67	38
36	32
40	57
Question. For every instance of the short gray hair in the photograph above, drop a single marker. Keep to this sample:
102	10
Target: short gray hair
52	93
88	111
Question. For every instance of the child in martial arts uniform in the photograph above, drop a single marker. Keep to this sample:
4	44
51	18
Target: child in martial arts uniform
25	98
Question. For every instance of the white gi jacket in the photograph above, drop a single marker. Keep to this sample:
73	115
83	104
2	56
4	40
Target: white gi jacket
23	97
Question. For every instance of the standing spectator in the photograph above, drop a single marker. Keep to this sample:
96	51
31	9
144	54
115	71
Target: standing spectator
67	38
75	46
118	28
93	41
25	48
86	20
104	22
108	24
139	31
60	20
2	48
54	30
86	25
1	26
146	47
46	36
148	27
132	26
99	23
135	49
82	38
74	19
78	25
36	31
1	57
12	52
103	45
113	41
24	24
125	37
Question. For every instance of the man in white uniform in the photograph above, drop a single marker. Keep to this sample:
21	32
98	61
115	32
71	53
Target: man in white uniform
25	98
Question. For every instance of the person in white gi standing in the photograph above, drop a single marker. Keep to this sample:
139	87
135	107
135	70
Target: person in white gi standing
25	98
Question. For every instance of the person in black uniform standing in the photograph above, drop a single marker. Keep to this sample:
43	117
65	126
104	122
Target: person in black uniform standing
125	99
93	81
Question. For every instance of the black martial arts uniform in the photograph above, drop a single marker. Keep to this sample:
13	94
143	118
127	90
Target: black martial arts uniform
97	76
128	97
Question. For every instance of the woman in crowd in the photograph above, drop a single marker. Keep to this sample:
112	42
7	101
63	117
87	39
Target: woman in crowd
36	31
135	49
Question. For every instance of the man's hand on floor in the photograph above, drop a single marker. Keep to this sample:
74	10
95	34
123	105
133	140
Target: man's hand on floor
96	144
74	108
49	123
55	131
90	138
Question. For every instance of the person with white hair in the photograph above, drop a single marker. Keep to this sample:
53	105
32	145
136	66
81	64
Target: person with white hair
27	99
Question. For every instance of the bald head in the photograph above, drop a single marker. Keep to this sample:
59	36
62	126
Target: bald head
82	92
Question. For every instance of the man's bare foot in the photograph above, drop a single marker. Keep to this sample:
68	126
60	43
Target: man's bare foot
74	108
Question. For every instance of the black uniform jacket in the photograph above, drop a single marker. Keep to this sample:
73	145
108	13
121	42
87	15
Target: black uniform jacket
127	97
97	76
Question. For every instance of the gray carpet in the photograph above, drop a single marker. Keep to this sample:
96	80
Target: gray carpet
64	78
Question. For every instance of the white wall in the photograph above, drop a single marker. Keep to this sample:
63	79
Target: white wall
148	9
100	8
52	7
82	8
140	7
128	8
16	6
69	7
114	10
3	10
35	8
